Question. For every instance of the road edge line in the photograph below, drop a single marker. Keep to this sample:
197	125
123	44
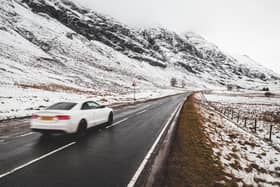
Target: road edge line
141	167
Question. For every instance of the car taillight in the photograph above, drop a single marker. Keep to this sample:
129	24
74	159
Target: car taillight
34	116
63	117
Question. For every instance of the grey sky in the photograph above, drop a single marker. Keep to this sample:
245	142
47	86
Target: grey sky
249	27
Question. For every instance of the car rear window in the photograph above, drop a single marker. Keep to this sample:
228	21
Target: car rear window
62	106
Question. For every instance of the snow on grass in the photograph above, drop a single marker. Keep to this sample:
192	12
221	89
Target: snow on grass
251	160
19	102
241	97
250	111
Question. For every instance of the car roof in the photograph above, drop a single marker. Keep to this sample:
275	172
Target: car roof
83	101
78	101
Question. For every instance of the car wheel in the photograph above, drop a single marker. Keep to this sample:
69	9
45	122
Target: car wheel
82	128
110	119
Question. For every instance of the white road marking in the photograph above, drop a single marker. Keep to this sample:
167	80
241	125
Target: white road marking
23	135
117	123
148	155
36	160
146	106
4	137
141	112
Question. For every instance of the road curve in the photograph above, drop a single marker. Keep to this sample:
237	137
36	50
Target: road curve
105	157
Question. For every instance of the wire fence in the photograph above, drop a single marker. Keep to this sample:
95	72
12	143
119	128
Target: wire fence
262	124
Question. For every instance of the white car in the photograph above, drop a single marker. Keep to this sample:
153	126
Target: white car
71	117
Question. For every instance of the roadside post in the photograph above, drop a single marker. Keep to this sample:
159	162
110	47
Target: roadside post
134	90
255	128
245	122
270	117
270	133
238	116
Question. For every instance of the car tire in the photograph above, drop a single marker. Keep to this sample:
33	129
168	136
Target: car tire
110	119
82	129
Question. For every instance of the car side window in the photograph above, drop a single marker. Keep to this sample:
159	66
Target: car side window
90	105
93	105
85	106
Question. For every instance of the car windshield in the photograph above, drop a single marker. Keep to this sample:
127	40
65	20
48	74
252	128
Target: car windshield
62	106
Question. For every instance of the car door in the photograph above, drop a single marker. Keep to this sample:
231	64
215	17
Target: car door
104	114
87	113
98	112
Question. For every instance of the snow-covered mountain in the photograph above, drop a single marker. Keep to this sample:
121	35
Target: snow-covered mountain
61	43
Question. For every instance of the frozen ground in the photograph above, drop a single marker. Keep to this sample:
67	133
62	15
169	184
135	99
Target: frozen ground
251	160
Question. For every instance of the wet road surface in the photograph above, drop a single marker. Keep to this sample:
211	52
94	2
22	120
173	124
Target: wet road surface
105	157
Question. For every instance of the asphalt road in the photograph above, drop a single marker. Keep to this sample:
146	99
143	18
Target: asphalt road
105	157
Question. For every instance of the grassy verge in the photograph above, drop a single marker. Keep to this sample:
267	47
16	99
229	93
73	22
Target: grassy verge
191	161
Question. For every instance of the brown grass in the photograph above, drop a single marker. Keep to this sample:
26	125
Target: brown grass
191	161
58	87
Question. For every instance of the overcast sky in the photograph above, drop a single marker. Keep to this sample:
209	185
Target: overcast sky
249	27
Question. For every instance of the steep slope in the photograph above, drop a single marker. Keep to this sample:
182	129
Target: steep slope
57	41
35	48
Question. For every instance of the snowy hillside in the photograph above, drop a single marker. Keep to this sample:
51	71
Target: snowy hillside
36	48
60	42
57	43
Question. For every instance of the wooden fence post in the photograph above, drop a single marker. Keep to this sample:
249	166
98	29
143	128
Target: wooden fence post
245	121
270	132
238	116
255	128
